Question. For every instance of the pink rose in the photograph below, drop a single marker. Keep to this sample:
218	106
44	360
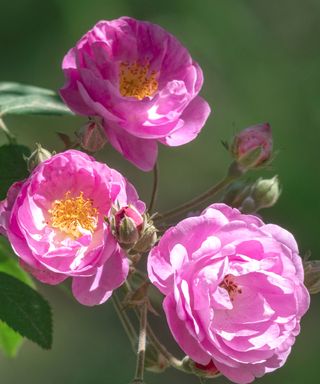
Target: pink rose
6	206
234	291
56	224
250	139
143	84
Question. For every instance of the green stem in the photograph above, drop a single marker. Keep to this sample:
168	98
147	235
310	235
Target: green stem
174	362
195	202
11	138
142	344
125	321
154	188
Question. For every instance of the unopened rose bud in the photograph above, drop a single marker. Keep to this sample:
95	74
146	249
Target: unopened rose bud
127	224
252	147
312	276
266	192
127	232
91	137
37	157
147	240
208	371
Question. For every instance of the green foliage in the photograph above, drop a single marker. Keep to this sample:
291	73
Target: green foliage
10	341
12	166
10	265
19	99
25	310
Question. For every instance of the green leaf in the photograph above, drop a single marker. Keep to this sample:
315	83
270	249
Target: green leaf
22	89
25	311
10	341
20	99
9	263
12	166
33	105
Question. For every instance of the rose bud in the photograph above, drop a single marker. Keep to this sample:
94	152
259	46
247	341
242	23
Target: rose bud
127	224
92	139
265	192
38	156
252	147
147	239
208	371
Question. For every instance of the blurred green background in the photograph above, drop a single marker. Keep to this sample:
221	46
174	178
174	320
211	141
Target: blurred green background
261	62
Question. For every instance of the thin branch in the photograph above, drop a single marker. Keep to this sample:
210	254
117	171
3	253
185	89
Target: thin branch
142	344
195	202
154	188
125	321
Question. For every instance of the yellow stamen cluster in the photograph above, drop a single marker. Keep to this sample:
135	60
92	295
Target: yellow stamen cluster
137	81
72	214
230	286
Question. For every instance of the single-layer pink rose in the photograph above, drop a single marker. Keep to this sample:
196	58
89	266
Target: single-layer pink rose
56	224
234	291
141	81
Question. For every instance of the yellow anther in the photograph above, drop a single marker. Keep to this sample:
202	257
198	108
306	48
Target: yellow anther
137	81
72	214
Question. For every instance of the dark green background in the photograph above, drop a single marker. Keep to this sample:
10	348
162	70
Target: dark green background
261	61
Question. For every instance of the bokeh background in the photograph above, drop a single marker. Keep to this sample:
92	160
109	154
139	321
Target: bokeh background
261	62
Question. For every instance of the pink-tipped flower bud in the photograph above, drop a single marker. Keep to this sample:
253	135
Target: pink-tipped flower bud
134	231
91	137
127	225
252	147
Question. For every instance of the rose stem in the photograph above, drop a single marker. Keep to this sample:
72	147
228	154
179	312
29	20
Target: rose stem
174	362
232	175
154	188
125	321
142	344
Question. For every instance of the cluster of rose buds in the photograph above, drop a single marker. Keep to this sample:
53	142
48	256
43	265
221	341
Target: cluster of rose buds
233	286
134	232
251	197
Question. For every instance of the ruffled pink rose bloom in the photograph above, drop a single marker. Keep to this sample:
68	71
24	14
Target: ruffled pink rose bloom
251	138
55	222
141	82
234	291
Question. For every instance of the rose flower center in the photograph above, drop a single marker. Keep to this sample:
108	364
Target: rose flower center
137	81
230	286
72	214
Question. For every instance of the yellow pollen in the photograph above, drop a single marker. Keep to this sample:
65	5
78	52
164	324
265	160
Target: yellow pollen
137	81
230	286
72	214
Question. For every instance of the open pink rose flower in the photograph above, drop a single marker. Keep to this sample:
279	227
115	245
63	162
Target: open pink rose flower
141	82
55	222
234	291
